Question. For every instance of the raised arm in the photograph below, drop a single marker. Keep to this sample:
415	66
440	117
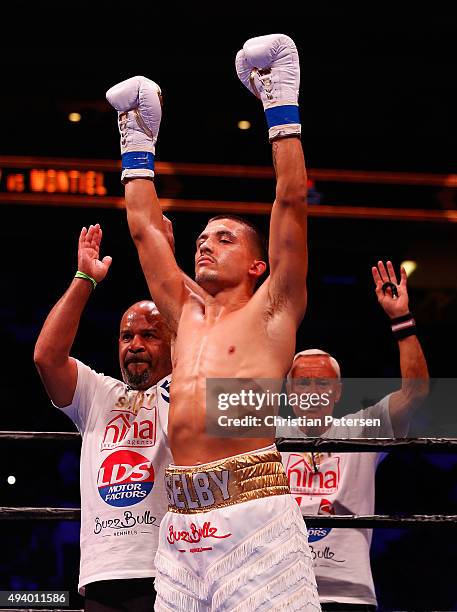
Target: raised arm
163	276
288	250
413	367
138	102
57	369
269	67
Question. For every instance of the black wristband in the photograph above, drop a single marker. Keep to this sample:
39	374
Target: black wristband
403	326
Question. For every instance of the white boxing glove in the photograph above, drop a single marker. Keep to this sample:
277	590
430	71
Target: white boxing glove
269	67
138	101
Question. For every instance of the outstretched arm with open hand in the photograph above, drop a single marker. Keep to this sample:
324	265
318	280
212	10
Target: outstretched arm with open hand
393	305
89	253
413	367
57	369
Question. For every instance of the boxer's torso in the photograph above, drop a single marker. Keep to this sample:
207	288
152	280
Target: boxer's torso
252	341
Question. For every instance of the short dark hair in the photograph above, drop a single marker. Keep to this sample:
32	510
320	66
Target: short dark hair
258	239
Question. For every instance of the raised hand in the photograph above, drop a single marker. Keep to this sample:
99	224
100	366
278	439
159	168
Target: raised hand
393	306
89	252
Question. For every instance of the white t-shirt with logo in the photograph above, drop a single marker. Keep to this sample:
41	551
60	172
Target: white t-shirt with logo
344	483
124	454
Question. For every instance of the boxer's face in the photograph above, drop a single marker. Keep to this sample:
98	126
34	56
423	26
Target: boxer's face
225	256
144	346
314	374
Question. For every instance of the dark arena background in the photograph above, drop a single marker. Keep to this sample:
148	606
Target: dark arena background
378	106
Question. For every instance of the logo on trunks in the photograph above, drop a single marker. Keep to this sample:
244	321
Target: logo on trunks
124	430
197	490
304	480
125	478
195	534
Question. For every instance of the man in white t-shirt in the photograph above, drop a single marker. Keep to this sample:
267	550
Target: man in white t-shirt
344	483
124	445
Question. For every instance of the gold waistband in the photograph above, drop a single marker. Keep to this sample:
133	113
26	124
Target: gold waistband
202	488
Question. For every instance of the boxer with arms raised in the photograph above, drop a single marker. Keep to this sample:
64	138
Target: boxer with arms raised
229	501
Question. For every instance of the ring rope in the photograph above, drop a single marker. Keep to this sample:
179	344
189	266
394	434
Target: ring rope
337	520
367	445
360	445
41	435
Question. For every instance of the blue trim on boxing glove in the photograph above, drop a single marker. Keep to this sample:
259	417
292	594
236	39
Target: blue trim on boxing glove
138	159
282	115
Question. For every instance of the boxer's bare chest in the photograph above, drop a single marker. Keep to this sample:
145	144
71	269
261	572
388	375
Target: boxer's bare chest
218	346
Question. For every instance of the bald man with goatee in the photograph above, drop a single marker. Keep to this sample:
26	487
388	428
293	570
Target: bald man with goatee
123	425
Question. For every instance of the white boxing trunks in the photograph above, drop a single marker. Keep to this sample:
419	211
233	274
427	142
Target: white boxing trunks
233	539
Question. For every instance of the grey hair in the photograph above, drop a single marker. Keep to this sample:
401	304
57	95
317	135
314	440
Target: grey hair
308	352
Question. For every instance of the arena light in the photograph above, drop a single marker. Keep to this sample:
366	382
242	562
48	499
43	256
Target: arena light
74	117
244	125
11	480
409	265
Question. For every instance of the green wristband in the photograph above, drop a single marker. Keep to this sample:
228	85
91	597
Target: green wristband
87	277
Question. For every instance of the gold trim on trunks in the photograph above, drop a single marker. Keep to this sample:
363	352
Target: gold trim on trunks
202	488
